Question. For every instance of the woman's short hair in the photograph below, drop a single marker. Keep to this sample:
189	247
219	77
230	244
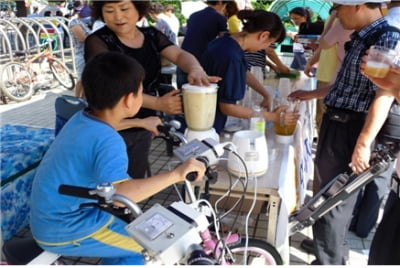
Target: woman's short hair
97	6
108	76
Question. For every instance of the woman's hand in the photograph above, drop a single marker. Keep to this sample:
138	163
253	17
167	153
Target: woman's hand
171	102
308	70
266	102
150	123
197	76
282	69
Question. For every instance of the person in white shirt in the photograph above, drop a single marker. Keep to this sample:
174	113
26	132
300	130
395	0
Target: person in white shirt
393	15
169	16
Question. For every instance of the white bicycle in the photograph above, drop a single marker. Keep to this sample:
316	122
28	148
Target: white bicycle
182	233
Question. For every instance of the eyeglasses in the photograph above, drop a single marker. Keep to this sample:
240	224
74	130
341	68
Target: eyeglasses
336	7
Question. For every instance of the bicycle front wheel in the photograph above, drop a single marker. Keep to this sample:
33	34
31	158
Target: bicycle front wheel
62	74
258	253
16	81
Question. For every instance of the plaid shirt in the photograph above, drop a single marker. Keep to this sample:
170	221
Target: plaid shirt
351	90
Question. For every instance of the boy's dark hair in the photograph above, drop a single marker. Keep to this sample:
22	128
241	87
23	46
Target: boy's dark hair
141	6
261	20
108	76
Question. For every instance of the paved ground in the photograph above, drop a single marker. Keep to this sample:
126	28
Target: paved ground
39	111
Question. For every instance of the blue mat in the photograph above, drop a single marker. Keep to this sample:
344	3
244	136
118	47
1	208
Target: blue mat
21	150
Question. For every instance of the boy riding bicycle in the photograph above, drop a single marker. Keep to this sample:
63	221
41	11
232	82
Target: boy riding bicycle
89	151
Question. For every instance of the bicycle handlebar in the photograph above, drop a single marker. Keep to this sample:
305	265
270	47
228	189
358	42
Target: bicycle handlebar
77	192
105	193
169	129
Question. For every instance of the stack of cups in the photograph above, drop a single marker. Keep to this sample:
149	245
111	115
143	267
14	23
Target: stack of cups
284	87
259	75
284	133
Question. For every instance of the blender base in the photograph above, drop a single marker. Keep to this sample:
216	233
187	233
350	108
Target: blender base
201	135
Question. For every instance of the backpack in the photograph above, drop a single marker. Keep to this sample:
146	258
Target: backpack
65	107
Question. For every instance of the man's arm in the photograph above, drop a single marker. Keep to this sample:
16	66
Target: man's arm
376	117
318	93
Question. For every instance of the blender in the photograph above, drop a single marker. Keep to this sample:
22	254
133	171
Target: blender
200	104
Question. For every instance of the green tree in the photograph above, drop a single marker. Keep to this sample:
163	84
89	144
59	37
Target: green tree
261	4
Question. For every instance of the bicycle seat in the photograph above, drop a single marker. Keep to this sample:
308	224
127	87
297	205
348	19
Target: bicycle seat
20	251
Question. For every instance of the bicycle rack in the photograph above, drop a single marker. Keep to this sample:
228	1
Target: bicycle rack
24	33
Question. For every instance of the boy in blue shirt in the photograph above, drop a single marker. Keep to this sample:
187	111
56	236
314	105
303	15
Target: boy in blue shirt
89	151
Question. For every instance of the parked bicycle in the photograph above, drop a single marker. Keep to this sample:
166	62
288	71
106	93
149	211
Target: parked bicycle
19	81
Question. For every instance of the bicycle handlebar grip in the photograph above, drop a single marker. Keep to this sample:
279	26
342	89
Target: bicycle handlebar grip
191	176
163	129
76	191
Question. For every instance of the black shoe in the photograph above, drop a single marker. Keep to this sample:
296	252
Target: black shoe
308	246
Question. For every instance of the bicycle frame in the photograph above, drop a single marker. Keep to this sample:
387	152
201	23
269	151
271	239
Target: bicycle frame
212	245
46	54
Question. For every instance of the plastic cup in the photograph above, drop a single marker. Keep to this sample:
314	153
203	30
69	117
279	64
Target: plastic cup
284	87
379	61
284	133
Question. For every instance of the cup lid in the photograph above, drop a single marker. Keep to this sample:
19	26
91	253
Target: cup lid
200	89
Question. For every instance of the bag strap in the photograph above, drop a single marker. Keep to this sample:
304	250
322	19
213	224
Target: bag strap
373	38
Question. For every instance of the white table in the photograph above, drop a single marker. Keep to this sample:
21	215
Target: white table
290	167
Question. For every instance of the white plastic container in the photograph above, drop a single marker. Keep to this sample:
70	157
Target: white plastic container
252	148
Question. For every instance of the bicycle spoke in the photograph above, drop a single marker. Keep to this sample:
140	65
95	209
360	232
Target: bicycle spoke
16	82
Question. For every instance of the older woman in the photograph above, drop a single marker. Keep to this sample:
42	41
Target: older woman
146	45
